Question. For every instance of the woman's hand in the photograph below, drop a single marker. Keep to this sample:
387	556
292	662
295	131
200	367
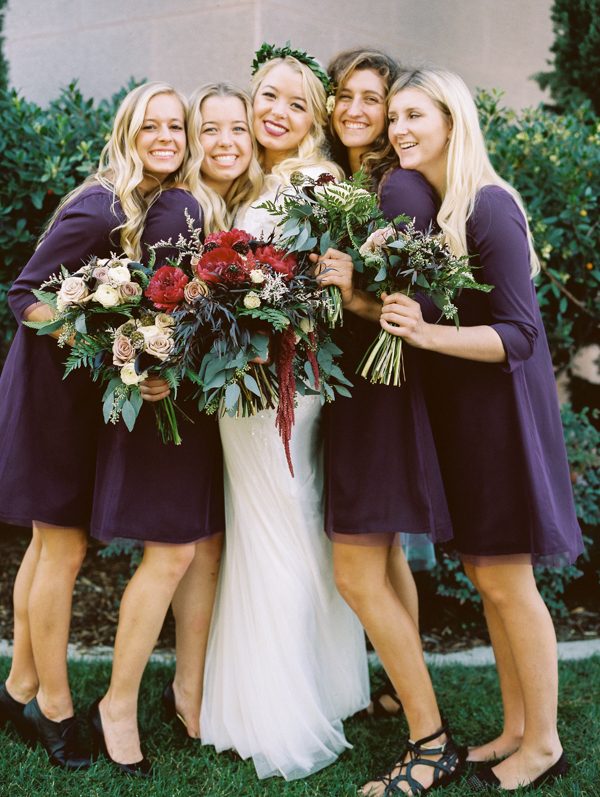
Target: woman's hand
402	316
336	268
154	389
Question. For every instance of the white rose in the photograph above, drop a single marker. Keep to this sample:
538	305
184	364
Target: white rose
72	290
257	276
118	275
107	295
159	345
251	300
164	320
129	376
148	331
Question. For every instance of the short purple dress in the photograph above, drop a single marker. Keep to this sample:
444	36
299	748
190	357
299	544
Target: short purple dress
497	427
146	489
48	426
382	476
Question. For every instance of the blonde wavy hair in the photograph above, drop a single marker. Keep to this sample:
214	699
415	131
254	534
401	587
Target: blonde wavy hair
121	170
219	211
381	156
312	150
468	166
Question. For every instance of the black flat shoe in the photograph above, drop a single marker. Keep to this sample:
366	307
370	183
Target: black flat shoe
171	713
11	711
140	769
59	739
484	779
380	708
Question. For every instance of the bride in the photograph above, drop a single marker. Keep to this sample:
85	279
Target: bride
286	660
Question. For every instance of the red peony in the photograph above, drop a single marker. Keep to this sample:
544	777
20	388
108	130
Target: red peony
165	289
232	239
222	265
277	259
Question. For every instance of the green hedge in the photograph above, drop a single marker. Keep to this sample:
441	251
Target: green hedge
45	153
553	160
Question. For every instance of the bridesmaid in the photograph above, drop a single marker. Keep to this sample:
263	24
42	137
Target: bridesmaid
48	426
400	485
175	506
494	411
222	172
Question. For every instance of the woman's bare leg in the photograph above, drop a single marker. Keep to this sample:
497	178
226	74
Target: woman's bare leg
192	605
62	551
142	613
22	681
531	641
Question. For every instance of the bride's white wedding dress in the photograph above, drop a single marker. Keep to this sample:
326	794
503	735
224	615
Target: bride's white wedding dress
286	660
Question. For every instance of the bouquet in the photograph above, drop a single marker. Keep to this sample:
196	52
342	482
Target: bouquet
407	260
322	213
245	299
101	313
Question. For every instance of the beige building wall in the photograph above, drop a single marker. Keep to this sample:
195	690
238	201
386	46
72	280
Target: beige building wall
492	43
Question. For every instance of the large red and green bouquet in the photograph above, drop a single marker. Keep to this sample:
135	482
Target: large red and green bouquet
250	301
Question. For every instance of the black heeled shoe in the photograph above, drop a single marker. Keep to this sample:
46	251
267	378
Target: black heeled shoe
171	713
141	769
11	711
484	779
59	739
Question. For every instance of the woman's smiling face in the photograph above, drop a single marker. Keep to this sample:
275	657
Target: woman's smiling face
226	141
281	116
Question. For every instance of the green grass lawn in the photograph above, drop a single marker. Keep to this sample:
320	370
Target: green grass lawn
468	695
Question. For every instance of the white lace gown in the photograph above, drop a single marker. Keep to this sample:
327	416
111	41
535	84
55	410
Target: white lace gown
286	659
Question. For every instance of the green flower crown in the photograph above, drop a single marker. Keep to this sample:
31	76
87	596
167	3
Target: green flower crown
269	51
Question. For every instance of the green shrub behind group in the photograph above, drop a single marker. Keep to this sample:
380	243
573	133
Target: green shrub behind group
45	152
553	160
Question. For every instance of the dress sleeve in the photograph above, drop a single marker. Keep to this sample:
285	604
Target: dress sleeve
498	235
408	193
166	220
83	229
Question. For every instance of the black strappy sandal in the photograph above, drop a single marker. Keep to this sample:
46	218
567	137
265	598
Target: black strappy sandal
379	708
446	768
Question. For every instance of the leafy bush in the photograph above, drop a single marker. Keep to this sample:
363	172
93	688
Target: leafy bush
554	162
576	48
45	153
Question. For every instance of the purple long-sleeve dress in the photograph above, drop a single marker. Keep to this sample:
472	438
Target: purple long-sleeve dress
48	426
497	427
382	475
146	489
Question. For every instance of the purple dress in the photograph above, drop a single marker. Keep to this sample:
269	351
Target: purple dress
497	427
146	489
382	475
48	425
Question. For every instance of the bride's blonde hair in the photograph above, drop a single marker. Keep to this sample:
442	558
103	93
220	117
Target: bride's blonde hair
312	149
468	166
219	211
121	170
